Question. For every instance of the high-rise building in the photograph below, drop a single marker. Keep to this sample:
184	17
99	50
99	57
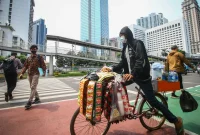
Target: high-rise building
153	20
19	15
94	21
39	34
191	13
167	35
138	32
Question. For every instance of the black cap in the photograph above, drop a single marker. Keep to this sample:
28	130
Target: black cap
174	47
33	46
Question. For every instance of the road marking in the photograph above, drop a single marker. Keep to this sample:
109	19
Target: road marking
190	88
132	92
40	91
195	94
38	104
43	94
197	86
131	101
191	82
77	79
47	97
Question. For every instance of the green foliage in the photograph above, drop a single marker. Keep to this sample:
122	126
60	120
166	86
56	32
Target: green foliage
118	54
22	58
1	59
67	74
181	51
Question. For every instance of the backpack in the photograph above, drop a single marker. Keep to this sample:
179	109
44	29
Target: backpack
39	60
9	67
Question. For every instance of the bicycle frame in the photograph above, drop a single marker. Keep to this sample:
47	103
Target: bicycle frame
135	114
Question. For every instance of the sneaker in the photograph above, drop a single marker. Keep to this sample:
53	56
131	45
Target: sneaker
6	97
174	96
28	105
10	97
179	126
37	100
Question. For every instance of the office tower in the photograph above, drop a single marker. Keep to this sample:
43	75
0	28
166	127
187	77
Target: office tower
39	33
94	22
152	20
191	13
167	35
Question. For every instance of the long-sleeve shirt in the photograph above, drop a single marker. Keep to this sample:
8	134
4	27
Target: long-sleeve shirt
17	64
32	63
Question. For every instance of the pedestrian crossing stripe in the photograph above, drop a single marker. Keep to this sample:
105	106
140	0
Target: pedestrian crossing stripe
43	98
50	88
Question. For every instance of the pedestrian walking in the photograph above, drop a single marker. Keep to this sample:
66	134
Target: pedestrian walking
10	67
33	63
135	63
175	62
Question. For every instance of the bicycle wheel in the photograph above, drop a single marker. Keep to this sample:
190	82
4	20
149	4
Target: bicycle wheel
151	118
80	126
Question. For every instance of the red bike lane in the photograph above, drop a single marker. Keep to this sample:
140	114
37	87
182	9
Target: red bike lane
54	119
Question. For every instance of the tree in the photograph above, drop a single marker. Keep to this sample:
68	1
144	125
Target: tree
22	58
164	52
60	61
181	51
1	59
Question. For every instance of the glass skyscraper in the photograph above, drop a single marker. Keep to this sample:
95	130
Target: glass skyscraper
39	33
94	21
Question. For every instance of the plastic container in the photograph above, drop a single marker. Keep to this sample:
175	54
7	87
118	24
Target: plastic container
156	70
173	76
156	73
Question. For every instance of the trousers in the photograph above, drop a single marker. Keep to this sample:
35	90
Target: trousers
33	80
150	97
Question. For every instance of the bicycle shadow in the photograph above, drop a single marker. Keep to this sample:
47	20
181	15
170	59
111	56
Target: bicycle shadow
161	131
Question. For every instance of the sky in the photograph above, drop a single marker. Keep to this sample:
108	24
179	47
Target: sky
63	16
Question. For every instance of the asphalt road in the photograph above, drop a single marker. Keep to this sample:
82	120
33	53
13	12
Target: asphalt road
189	80
56	89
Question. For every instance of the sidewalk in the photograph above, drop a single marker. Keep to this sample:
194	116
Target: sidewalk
54	119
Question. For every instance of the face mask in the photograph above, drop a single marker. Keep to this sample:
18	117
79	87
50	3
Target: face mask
123	39
33	52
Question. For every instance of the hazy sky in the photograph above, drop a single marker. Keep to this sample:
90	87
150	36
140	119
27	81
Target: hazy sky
63	16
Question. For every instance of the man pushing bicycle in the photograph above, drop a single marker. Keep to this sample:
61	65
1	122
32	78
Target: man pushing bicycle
135	63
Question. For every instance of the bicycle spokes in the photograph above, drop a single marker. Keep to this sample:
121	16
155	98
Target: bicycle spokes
84	127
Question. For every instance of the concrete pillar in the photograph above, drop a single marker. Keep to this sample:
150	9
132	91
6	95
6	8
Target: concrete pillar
51	65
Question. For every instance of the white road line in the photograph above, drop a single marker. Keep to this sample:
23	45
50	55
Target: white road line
49	90
77	79
194	94
132	92
190	88
43	94
39	88
197	86
191	82
48	97
38	104
40	92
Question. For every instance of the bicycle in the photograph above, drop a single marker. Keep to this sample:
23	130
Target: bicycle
79	124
